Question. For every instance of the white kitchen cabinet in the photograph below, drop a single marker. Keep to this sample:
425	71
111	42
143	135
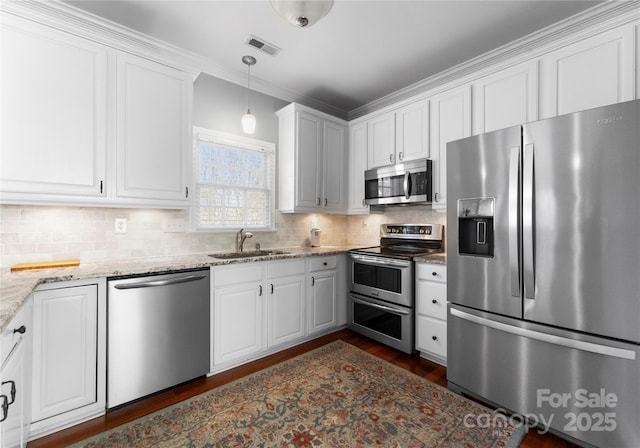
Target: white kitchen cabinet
506	98
431	311
286	308
312	161
357	167
153	132
381	141
323	294
54	115
450	120
590	73
15	376
69	354
238	313
399	136
86	124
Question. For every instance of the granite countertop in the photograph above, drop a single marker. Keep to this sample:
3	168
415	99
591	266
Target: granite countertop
16	287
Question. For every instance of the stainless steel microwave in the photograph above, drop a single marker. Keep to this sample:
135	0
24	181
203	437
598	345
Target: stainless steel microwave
406	183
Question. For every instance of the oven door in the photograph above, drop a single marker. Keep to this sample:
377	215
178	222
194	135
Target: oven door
387	279
387	323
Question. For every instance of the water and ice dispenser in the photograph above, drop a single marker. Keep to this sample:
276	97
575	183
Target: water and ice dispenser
475	227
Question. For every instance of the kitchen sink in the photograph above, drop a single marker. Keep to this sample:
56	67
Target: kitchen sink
248	254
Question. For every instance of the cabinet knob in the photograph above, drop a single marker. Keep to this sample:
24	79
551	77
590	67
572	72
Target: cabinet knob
435	338
434	301
434	274
324	264
22	330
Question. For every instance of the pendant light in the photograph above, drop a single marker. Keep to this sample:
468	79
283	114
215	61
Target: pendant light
248	120
302	13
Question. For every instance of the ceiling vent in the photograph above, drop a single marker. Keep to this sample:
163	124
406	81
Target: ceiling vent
263	45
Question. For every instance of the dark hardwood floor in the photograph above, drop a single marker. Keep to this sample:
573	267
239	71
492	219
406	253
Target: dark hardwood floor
429	370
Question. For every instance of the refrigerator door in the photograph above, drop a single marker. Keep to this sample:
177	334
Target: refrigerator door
585	387
483	222
581	221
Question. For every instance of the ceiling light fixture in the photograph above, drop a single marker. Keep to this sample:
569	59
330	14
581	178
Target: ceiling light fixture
248	120
300	12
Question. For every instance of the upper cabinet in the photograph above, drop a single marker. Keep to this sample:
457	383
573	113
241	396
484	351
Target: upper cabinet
357	167
450	120
590	73
506	98
86	124
54	113
399	136
312	161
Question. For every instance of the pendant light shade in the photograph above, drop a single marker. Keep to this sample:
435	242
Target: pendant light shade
302	13
248	120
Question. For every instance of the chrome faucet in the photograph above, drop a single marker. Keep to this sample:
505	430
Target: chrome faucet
240	237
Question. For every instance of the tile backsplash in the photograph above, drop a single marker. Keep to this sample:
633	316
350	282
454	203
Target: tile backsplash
40	233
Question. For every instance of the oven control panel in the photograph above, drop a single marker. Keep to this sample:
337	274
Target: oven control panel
412	231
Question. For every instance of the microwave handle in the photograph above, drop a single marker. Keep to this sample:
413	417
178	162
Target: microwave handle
407	185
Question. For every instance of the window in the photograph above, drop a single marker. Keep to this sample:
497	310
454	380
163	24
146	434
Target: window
234	178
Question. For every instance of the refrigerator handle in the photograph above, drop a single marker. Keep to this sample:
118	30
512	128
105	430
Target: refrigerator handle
514	208
528	237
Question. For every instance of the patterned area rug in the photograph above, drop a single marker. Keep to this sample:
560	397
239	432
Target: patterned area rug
334	396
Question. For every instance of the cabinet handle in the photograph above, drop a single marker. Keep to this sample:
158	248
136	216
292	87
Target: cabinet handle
434	301
364	202
260	291
325	202
436	197
22	329
435	338
313	281
400	156
391	158
5	407
100	187
318	201
13	391
186	192
271	288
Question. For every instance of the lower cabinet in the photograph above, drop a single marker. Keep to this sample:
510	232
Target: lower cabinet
431	311
69	354
261	307
15	376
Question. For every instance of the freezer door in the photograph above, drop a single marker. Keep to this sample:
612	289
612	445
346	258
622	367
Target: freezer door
581	221
582	386
483	249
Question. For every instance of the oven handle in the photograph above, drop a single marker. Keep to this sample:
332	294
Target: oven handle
380	261
381	307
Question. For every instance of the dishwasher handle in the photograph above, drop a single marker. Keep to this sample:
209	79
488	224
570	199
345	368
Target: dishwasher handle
169	281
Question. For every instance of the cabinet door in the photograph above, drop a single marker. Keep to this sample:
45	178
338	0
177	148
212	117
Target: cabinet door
334	167
506	98
54	107
309	154
412	131
593	72
357	167
14	386
238	321
285	309
65	350
153	131
450	120
322	301
381	150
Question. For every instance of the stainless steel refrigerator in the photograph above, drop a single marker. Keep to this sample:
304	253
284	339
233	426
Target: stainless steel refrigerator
543	261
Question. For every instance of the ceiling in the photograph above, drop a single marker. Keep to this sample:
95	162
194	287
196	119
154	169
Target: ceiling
361	51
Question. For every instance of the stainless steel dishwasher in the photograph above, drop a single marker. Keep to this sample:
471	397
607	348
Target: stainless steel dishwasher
157	333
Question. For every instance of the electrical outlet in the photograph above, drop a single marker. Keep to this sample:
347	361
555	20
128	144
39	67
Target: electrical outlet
121	225
173	226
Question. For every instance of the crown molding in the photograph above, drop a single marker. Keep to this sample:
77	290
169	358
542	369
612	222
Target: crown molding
599	18
72	20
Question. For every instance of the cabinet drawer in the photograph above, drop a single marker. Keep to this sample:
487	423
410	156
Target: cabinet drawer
285	268
322	263
431	299
431	336
233	275
10	338
432	272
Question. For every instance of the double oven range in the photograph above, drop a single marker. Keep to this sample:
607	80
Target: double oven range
381	298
